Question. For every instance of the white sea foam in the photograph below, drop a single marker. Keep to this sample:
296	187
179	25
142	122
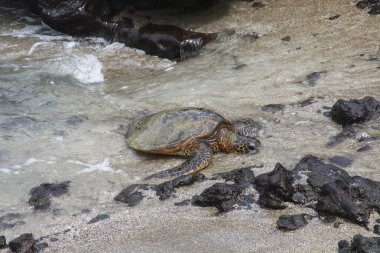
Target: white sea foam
101	167
33	160
5	170
35	45
85	68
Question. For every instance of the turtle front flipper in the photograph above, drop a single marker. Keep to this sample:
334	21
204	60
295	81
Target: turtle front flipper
199	159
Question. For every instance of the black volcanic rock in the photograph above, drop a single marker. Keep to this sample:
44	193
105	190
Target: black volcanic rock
22	244
336	198
3	242
274	187
220	195
346	112
241	176
93	18
310	174
133	194
292	222
360	244
98	218
40	195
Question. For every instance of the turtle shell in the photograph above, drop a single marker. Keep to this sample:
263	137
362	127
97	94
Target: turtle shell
165	131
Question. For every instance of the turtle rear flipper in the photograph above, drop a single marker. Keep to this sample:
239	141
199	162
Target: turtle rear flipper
199	159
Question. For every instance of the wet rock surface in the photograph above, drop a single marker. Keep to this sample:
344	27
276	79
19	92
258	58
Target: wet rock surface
346	112
341	161
274	187
3	242
222	196
98	218
10	220
360	243
41	195
372	5
133	194
23	244
312	78
94	18
292	222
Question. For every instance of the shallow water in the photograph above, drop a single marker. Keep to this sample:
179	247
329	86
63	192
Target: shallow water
64	102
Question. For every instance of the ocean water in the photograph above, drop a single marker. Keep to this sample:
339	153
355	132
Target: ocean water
64	103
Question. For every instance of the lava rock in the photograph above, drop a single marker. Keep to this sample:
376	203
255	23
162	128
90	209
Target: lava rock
166	189
360	243
292	222
98	218
3	242
334	17
309	176
133	194
40	246
40	195
348	132
312	78
363	149
220	195
273	108
341	161
257	4
274	187
362	4
84	18
10	220
376	229
22	244
243	176
355	110
336	198
286	39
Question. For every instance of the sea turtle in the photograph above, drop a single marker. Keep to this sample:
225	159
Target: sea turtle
194	133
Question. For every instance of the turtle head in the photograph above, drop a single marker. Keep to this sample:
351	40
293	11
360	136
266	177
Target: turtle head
245	144
232	142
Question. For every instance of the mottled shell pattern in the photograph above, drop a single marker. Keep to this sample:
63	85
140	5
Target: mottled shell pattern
165	131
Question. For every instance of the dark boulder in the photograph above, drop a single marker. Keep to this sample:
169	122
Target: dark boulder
274	187
360	244
372	5
292	222
243	176
355	110
85	18
3	242
341	161
40	195
22	244
220	195
376	229
98	218
336	198
133	194
273	108
166	189
310	174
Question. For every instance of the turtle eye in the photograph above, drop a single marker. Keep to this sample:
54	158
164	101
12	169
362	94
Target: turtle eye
254	146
